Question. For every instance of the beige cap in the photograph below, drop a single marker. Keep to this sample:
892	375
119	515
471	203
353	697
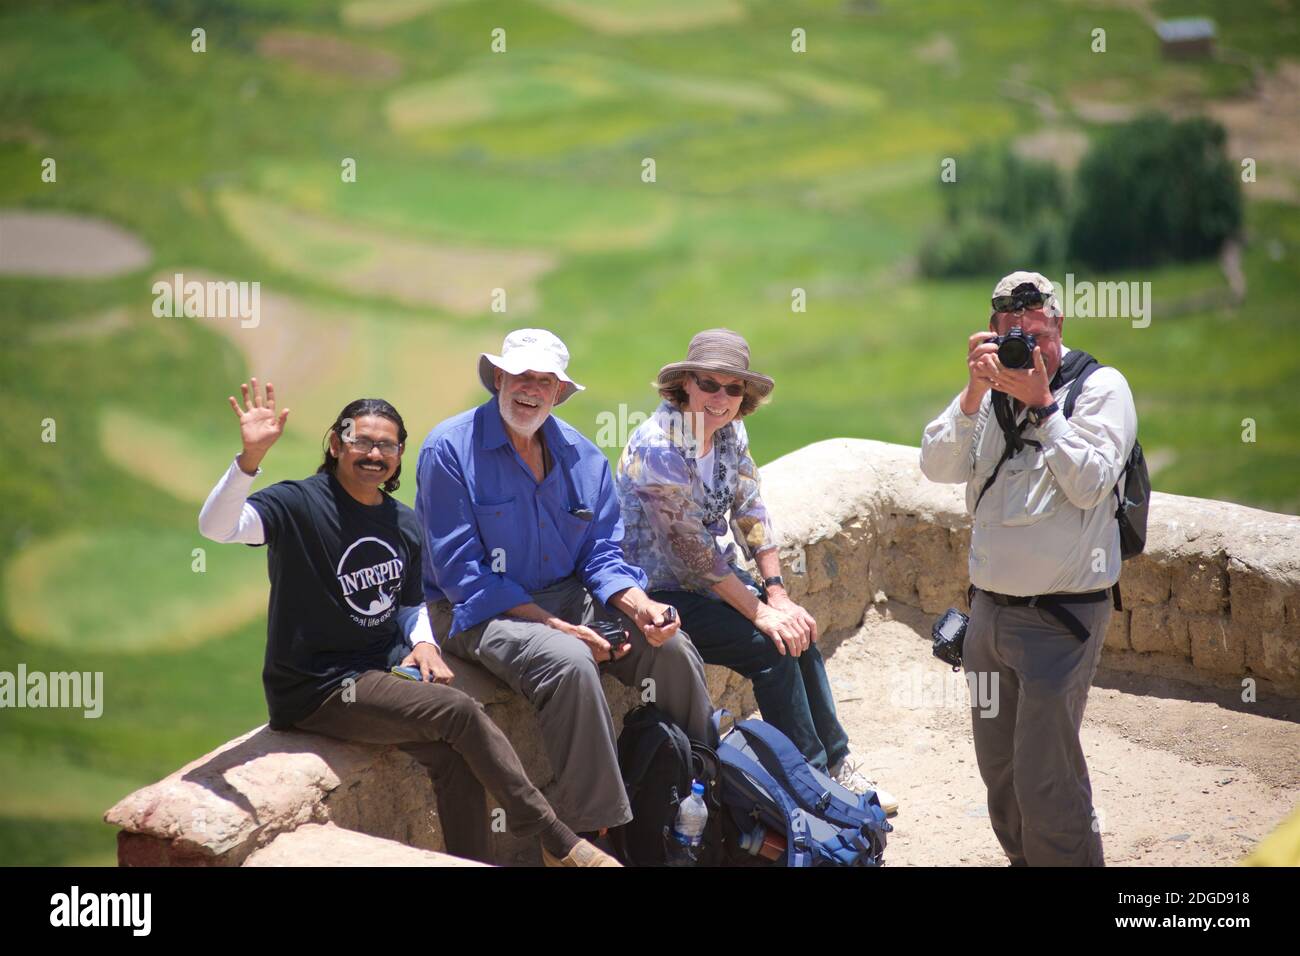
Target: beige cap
1007	284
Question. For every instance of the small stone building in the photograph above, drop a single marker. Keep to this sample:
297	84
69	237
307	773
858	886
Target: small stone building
1186	38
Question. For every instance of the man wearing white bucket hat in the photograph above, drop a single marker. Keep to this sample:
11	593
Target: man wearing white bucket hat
523	564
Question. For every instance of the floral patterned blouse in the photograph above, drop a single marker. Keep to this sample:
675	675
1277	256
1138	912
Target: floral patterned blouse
673	521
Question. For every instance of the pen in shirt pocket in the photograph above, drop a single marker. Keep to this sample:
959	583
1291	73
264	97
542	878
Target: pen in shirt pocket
583	514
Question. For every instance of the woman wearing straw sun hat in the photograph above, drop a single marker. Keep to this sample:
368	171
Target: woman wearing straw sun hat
684	477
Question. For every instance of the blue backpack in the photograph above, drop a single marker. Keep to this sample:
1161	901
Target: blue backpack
767	789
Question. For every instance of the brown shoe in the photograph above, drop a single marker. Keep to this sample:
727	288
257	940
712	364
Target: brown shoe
583	854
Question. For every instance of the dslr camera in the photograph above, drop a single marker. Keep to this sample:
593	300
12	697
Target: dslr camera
1015	349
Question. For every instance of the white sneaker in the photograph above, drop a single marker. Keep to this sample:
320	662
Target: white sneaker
849	776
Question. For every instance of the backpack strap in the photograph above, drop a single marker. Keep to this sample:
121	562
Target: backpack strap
716	720
1091	365
776	752
1082	369
796	826
849	846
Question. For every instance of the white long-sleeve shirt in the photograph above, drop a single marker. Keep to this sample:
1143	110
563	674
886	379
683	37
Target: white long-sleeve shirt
228	518
1047	524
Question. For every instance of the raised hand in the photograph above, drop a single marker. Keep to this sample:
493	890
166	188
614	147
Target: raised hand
982	367
259	425
1030	386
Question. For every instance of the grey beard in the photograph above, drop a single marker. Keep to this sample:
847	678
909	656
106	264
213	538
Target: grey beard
508	415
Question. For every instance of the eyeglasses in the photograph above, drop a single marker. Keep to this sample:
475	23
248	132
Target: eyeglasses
735	389
1020	299
362	446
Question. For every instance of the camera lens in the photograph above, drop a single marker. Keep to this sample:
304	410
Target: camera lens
1015	353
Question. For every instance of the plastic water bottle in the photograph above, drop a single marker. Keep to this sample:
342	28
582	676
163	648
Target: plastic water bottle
692	815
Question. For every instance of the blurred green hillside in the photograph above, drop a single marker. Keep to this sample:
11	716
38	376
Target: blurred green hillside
775	170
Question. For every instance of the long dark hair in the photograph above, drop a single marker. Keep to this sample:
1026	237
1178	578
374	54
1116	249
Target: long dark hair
359	409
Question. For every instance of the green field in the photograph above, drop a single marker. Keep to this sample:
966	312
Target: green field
522	170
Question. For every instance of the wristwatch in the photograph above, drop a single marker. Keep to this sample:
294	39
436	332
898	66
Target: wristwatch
1037	415
775	579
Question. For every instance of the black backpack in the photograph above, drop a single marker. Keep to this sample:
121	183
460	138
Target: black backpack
1132	504
658	762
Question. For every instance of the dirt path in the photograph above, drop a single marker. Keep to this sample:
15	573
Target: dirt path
1181	775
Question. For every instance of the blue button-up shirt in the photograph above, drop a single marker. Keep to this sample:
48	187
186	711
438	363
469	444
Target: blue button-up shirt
493	533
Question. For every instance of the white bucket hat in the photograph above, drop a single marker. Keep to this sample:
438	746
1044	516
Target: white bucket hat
529	350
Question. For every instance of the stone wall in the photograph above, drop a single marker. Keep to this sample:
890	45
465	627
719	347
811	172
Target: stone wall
228	807
1215	599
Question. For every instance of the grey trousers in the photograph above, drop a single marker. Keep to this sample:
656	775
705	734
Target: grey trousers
1027	747
560	678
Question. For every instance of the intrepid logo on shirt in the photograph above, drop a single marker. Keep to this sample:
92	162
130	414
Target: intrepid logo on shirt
370	574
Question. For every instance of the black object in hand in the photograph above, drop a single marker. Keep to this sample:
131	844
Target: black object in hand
611	631
1015	349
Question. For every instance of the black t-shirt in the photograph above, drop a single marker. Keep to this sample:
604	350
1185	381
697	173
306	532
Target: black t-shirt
339	572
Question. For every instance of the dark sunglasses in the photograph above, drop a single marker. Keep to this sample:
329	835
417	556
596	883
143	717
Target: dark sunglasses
1020	298
735	389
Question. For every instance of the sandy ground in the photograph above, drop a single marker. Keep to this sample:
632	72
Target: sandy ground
1181	775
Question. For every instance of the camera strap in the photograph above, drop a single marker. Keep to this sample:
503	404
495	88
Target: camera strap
1011	432
1072	365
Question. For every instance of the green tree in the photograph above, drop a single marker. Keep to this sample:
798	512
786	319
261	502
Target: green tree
994	183
1002	212
1154	191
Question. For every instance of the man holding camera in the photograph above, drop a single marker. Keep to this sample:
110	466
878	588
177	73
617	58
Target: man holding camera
1045	552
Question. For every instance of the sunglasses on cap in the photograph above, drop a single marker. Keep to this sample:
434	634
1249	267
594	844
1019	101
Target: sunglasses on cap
708	385
1024	296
